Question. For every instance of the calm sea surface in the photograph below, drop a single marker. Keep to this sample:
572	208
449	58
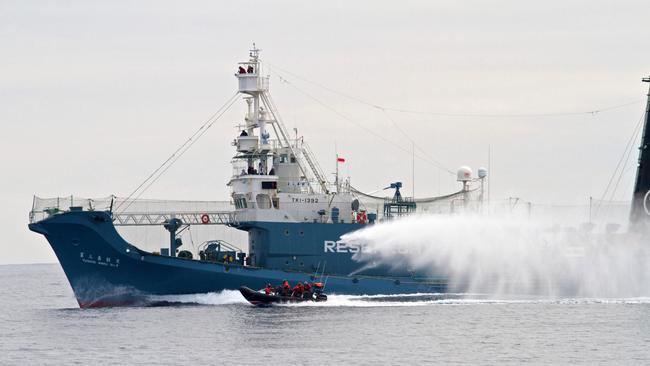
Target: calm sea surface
40	324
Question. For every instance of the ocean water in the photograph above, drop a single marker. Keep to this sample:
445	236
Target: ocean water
40	324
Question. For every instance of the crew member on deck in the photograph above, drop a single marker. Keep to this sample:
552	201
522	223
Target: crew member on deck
242	70
243	133
250	69
268	289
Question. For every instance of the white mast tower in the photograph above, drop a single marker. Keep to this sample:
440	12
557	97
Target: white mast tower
262	112
279	174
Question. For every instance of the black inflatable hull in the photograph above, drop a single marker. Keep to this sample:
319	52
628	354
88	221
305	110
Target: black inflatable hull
258	298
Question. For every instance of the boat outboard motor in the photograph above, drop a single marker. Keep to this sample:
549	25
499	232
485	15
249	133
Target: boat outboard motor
172	226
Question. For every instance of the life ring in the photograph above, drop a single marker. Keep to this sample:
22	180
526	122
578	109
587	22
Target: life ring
205	218
362	218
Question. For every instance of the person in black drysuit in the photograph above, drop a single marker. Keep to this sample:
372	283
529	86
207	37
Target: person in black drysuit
306	292
286	288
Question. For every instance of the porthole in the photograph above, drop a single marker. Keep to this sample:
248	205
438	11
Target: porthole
302	264
301	233
286	232
397	282
286	262
355	280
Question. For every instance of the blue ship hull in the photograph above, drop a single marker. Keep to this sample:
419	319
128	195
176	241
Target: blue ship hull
104	270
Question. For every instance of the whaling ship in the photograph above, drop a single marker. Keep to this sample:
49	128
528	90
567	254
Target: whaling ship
293	215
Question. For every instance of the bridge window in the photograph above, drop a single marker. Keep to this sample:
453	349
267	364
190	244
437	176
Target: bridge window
263	201
269	185
240	202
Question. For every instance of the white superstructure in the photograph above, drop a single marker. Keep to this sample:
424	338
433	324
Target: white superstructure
277	179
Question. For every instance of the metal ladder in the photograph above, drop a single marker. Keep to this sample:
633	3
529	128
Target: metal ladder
315	167
306	151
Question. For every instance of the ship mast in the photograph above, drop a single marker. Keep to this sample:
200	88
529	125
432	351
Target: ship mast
262	112
640	213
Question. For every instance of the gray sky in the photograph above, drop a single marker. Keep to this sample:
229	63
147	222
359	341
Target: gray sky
96	94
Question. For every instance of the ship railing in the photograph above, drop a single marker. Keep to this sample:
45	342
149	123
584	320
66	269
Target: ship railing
140	211
189	218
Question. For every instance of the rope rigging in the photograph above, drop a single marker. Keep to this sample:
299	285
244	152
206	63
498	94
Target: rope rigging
417	200
156	174
370	131
620	169
592	111
413	141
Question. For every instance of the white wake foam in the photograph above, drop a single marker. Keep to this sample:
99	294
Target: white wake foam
371	301
225	297
230	297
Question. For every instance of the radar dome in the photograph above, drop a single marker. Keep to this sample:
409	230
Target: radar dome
482	172
464	174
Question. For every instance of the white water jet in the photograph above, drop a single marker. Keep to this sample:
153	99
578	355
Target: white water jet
510	256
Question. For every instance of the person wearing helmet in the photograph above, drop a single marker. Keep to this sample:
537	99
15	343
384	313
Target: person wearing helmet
268	289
